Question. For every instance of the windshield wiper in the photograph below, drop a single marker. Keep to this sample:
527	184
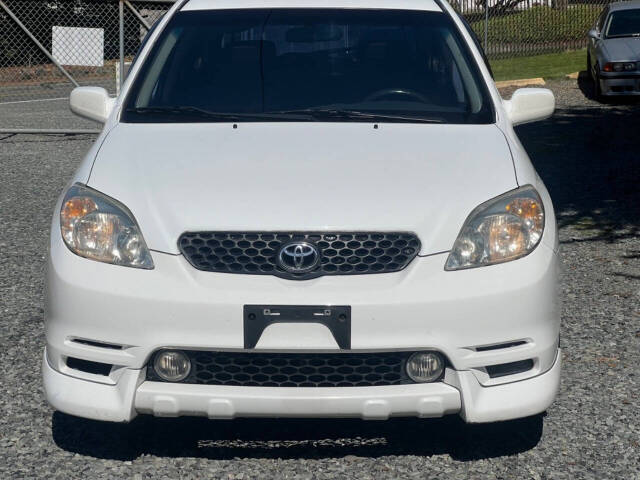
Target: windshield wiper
282	115
206	114
328	113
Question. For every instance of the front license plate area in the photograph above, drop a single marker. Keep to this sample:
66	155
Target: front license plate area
336	318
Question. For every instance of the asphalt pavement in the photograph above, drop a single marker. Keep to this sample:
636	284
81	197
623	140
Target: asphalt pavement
589	157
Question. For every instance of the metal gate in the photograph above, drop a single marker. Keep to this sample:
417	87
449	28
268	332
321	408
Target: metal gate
49	47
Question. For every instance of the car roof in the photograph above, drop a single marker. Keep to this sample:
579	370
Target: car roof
424	5
614	7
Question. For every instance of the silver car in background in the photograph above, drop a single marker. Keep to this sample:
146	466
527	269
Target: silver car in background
613	55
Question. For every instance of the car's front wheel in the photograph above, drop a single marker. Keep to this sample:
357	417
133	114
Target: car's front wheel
597	91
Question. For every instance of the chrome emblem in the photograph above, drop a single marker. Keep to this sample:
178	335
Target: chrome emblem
298	257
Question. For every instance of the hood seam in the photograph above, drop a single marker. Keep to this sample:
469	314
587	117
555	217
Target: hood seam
513	163
95	157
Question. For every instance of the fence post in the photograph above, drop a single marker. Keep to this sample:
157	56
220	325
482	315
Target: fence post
121	21
486	25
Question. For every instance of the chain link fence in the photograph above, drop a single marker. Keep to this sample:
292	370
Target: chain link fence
47	47
511	28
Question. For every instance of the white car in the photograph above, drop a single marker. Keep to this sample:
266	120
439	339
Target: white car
304	208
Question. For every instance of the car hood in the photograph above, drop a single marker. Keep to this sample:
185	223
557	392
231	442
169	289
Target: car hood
303	177
622	49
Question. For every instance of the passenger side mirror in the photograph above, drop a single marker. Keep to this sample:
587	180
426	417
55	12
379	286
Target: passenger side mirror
93	103
530	105
593	34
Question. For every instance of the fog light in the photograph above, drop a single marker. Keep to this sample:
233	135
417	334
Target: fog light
172	365
425	367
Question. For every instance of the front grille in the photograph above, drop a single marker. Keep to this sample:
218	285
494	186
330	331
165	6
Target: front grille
295	369
340	253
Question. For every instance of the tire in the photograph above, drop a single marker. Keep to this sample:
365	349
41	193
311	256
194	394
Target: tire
597	92
589	71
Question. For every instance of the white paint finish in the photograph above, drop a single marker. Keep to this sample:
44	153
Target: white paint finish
425	5
512	400
165	406
462	394
93	103
530	105
303	176
83	398
368	403
220	408
422	307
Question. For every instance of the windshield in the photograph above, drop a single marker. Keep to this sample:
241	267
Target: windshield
625	23
309	65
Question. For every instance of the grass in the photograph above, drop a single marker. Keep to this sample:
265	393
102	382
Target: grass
546	66
540	25
543	29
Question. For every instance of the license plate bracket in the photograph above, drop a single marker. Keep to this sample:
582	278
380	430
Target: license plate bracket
337	318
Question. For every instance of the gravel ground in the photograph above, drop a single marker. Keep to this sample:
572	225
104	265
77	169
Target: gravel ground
46	114
588	157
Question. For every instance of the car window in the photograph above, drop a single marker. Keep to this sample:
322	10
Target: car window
476	40
144	42
624	23
402	63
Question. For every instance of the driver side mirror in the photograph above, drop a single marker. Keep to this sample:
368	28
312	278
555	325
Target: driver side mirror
593	34
93	103
530	105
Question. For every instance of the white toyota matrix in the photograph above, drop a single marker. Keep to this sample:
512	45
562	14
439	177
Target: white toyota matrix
304	208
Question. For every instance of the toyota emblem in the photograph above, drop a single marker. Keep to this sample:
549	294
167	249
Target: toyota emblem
298	257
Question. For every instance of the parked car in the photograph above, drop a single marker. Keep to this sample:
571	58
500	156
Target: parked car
305	209
613	54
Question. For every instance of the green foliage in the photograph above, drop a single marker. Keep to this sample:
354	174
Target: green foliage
546	66
541	24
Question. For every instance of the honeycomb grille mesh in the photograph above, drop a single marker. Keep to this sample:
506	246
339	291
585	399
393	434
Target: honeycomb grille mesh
295	369
340	253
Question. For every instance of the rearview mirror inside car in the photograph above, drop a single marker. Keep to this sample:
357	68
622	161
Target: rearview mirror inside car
530	105
93	103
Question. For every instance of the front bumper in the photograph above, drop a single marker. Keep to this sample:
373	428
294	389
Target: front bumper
622	84
135	312
460	393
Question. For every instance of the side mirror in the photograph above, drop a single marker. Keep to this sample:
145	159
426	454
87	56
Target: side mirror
93	103
530	105
593	34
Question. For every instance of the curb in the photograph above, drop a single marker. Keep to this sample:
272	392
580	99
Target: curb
521	82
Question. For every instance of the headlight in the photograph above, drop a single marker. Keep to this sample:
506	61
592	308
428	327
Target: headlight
100	228
505	228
